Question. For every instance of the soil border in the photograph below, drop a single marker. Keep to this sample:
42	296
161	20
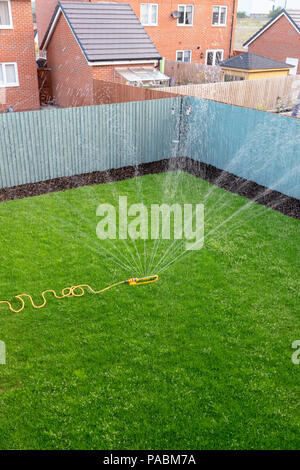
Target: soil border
262	195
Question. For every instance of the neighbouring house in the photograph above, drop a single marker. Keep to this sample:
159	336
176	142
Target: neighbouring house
249	66
201	31
96	41
18	74
279	39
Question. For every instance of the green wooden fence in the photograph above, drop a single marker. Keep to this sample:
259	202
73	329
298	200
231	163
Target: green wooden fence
40	145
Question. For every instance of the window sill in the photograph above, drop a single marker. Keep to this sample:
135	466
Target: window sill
10	86
150	25
219	25
185	25
6	27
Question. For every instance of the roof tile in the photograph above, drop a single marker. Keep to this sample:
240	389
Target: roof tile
251	61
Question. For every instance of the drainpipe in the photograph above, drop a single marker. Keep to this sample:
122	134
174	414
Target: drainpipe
232	23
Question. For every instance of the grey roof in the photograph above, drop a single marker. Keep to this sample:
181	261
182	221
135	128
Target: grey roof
292	15
107	31
251	61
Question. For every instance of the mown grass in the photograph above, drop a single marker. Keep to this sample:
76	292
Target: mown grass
199	360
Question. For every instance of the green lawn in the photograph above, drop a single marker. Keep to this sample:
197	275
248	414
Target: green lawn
199	360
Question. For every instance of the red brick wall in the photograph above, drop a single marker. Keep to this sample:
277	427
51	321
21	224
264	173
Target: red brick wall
71	75
17	45
278	42
167	36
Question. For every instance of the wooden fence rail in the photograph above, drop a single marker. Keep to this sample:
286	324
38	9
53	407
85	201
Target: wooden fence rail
256	94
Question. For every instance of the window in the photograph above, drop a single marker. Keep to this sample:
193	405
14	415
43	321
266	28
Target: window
5	15
183	56
149	14
8	75
213	57
186	15
219	16
233	78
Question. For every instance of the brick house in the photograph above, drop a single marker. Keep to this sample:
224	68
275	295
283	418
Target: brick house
201	31
87	42
18	73
279	39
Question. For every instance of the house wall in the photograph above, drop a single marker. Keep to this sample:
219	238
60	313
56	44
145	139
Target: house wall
167	36
17	45
268	74
71	75
278	42
255	74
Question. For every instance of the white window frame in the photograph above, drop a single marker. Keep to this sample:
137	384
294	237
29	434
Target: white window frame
5	84
193	10
214	55
218	25
10	26
184	50
149	23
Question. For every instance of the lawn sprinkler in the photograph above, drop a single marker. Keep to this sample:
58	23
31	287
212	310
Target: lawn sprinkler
138	281
77	291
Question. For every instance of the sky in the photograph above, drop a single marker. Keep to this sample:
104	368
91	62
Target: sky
261	6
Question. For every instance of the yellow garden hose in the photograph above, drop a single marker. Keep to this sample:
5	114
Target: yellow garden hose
77	291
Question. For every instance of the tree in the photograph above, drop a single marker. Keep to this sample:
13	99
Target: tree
241	14
274	12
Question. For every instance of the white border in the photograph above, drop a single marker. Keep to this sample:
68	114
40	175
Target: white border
214	59
10	85
184	50
149	24
186	5
218	25
268	26
11	26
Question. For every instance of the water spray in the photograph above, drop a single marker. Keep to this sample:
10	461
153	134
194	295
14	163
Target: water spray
77	291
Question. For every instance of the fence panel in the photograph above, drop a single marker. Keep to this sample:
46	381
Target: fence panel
262	147
36	146
258	146
186	72
105	92
256	94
